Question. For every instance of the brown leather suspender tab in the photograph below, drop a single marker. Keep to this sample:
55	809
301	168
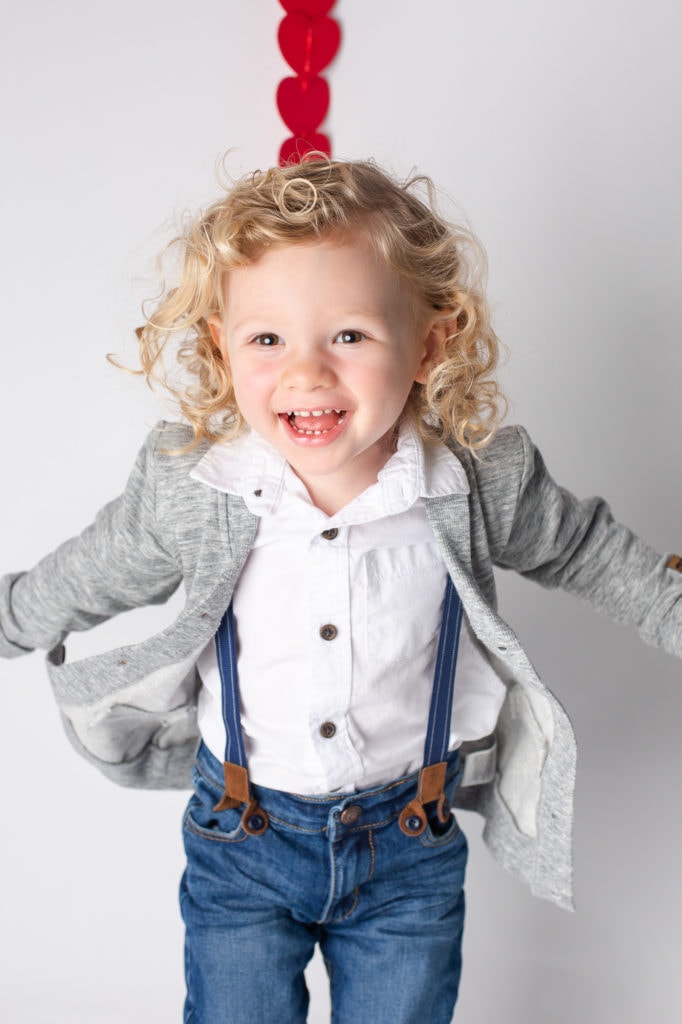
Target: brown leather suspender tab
238	792
432	784
236	787
431	790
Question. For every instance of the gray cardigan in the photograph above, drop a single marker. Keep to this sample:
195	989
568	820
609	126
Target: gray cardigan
132	711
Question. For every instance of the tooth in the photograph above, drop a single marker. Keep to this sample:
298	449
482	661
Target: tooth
319	412
302	413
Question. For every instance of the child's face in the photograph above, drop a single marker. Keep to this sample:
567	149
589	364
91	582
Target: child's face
323	345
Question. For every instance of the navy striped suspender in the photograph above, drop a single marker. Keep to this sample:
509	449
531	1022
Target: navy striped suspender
432	775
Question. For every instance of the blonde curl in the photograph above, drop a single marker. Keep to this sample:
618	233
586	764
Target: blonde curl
442	265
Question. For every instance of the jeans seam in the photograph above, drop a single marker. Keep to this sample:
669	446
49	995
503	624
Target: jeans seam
320	831
356	899
372	854
297	828
331	899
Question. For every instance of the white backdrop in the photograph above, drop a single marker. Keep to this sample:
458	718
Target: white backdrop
556	128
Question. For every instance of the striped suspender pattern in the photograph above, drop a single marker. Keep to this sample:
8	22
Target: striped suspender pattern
413	818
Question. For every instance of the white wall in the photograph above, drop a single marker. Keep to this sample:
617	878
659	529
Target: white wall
556	127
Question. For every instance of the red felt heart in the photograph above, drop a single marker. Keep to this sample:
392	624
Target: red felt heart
309	6
308	43
303	103
295	149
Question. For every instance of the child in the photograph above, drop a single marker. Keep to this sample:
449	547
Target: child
334	507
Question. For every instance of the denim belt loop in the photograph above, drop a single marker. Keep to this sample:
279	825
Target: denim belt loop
431	788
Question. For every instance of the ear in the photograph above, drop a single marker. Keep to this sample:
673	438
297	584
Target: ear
215	326
433	346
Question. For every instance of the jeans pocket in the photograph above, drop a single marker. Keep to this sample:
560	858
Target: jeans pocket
440	833
202	819
219	826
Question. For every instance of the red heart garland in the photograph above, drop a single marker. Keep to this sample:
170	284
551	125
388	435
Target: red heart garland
303	103
308	40
295	148
308	44
309	6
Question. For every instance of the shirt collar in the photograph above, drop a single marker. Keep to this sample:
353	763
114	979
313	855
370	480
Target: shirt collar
248	466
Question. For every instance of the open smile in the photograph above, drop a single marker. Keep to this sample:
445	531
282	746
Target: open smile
313	422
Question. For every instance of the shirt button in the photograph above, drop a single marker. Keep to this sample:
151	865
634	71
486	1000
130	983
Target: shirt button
330	534
328	632
351	814
327	729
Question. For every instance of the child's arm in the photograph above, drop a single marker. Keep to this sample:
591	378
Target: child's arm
547	534
116	563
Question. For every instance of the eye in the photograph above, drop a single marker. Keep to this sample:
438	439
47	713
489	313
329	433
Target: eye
267	340
349	337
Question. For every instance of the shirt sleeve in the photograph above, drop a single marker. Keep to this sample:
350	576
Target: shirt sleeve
548	535
116	563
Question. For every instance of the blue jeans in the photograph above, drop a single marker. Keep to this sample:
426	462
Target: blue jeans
387	909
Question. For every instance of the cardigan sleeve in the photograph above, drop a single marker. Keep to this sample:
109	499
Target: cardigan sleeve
548	535
117	563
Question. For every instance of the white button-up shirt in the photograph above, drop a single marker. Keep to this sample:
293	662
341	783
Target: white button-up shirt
373	571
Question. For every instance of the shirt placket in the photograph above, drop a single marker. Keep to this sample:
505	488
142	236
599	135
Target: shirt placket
329	623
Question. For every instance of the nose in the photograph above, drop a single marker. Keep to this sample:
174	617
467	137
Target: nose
307	370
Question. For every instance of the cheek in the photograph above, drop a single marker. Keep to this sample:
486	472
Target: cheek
398	383
251	388
383	377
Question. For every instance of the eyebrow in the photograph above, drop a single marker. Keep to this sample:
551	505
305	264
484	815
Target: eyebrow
252	322
370	313
267	318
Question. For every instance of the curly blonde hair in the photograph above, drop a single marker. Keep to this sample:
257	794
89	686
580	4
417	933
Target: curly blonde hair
442	265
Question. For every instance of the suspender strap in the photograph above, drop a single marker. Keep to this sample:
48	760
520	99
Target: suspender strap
237	787
431	790
440	711
226	654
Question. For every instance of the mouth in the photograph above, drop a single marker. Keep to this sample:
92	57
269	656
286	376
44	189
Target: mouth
313	422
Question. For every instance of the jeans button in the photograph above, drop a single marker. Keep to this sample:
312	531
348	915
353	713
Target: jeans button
351	814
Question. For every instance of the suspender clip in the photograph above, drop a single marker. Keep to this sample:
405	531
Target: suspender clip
238	792
413	818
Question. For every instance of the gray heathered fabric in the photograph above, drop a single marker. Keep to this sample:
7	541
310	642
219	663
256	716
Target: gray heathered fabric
132	711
